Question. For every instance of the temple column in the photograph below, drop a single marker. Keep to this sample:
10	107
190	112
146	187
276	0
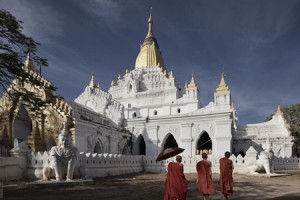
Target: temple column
223	137
152	143
186	138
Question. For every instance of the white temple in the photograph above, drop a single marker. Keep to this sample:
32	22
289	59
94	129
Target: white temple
159	114
143	112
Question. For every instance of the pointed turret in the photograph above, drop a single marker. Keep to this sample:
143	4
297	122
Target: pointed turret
28	64
165	74
171	75
278	111
192	85
149	53
222	93
92	83
192	89
113	83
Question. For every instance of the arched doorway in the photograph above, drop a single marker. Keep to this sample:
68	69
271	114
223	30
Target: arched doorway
142	146
204	144
139	147
22	125
170	142
98	147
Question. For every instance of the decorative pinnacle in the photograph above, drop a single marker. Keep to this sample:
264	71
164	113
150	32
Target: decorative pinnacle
150	17
278	112
171	75
113	83
92	83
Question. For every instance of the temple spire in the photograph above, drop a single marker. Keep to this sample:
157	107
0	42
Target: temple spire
223	88
222	91
28	62
278	111
150	22
149	54
192	85
92	83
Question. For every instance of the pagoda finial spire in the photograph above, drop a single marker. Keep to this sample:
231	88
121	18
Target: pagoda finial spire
92	83
150	17
278	111
192	85
223	88
150	22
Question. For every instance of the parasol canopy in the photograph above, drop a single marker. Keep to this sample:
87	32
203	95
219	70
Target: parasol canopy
168	153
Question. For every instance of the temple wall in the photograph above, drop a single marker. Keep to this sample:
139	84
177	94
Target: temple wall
101	165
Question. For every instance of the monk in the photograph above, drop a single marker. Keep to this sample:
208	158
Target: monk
205	184
176	185
226	180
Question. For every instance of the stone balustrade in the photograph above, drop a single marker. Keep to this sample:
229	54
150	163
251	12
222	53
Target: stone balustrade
95	165
100	165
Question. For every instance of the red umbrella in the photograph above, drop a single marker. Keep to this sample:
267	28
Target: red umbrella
168	153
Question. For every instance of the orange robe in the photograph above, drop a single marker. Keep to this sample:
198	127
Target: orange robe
226	180
176	185
205	183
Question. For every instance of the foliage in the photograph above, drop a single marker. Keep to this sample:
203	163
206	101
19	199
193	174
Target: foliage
14	47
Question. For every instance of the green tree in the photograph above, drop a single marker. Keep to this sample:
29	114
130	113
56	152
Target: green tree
14	47
292	116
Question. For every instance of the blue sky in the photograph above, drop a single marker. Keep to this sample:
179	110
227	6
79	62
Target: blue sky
256	42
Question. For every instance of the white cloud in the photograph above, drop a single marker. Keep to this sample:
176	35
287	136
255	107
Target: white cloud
40	21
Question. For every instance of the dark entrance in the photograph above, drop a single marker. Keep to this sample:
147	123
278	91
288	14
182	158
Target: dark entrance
170	142
142	146
204	144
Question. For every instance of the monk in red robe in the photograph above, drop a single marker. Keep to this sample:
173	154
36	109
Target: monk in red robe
226	180
176	185
205	184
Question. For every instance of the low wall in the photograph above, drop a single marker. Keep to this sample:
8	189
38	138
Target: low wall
94	165
100	165
11	168
240	163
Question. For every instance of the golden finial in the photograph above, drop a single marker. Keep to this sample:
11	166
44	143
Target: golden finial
192	85
150	22
119	77
222	88
113	83
278	111
150	17
127	71
165	74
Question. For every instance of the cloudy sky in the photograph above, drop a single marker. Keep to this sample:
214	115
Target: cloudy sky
257	43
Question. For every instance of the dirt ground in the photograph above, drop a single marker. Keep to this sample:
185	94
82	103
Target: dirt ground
146	186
